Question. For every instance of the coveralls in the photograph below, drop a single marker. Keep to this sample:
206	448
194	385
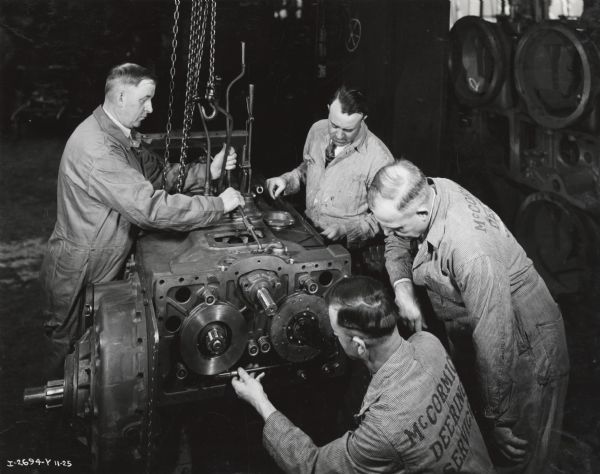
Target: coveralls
337	194
108	187
415	417
501	320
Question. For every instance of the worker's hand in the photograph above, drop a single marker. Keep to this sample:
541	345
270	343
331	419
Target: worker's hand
231	199
276	186
509	445
249	388
217	162
334	232
408	308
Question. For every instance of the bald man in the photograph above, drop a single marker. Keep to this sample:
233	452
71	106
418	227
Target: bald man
108	187
501	320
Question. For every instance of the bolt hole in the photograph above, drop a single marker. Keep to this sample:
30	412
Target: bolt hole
140	375
140	341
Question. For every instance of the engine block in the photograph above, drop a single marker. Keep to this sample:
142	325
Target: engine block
191	308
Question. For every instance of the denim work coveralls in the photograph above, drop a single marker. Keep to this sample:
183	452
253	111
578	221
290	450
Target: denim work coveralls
502	323
107	187
337	194
415	417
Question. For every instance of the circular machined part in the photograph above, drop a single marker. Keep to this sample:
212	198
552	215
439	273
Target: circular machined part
555	66
213	338
479	60
279	219
301	328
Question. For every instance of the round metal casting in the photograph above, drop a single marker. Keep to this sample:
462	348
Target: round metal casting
301	328
279	220
556	68
479	60
213	338
560	240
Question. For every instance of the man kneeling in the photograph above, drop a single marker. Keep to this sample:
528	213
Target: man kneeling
415	416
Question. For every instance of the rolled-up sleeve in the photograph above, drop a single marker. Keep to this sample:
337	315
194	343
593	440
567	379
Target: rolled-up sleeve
485	289
119	186
398	258
365	450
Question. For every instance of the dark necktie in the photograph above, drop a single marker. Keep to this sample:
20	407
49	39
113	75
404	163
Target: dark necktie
329	153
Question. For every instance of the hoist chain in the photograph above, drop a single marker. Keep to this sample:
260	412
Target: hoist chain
210	85
166	164
196	48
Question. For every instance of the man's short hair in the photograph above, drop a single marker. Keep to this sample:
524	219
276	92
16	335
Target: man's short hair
353	101
401	181
364	305
127	73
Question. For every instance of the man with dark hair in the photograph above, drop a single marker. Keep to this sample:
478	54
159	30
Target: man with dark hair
502	323
109	185
341	156
415	416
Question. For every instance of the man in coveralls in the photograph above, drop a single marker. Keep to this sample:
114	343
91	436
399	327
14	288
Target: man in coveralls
108	187
415	416
504	328
341	156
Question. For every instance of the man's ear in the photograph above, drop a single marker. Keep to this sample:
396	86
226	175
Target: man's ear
361	347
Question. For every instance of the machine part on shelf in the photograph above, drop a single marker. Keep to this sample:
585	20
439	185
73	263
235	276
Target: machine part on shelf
561	240
213	338
264	344
253	349
479	61
556	70
279	220
301	329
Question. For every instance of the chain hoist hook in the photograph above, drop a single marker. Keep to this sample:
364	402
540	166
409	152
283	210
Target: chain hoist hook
213	113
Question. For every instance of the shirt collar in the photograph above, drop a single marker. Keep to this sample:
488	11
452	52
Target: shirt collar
393	369
436	228
124	129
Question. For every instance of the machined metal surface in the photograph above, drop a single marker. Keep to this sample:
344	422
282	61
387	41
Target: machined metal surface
213	338
301	330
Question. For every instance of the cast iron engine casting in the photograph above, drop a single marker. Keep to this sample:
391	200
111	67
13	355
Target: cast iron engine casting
190	310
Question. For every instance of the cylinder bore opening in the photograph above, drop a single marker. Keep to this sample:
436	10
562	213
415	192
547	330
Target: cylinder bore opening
183	294
173	323
325	278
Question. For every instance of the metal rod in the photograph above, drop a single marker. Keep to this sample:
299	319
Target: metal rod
250	227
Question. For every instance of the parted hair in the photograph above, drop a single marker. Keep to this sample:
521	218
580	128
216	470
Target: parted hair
127	73
364	305
402	182
353	101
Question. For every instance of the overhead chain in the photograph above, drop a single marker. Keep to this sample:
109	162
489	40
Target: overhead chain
195	52
166	164
210	85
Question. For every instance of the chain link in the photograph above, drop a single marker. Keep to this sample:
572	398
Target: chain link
166	164
196	49
211	57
